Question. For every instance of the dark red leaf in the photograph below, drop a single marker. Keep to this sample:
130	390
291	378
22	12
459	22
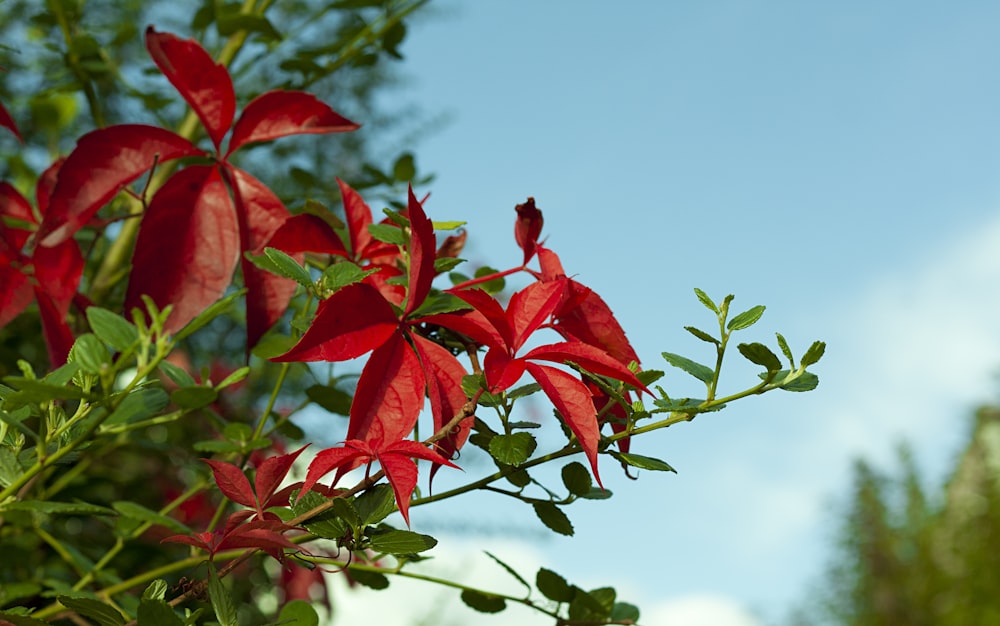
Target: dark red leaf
616	414
270	474
401	471
422	253
351	322
7	122
306	233
282	113
531	307
492	319
589	358
444	375
571	398
528	227
203	541
501	370
330	459
13	204
389	395
15	292
103	162
584	316
187	247
58	271
58	336
205	84
46	183
551	266
358	216
232	483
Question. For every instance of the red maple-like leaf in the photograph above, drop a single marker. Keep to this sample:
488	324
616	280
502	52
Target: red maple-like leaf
238	532
395	457
264	494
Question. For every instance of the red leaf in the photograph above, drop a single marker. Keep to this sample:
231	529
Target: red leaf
7	122
351	322
401	472
270	474
198	540
282	113
13	204
502	371
531	307
232	483
306	233
472	324
330	459
551	266
58	336
589	358
571	398
103	162
15	292
585	317
528	227
58	271
187	247
359	216
205	84
616	414
389	395
490	309
46	183
444	376
422	253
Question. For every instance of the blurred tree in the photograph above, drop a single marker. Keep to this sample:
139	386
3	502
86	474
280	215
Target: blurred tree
909	557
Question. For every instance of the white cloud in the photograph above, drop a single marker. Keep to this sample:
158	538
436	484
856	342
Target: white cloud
698	610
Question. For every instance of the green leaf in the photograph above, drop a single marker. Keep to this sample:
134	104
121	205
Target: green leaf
553	586
57	508
577	479
807	381
623	611
157	590
290	268
375	504
10	468
483	602
700	334
340	275
89	353
372	580
643	462
553	517
440	303
237	376
512	449
814	353
138	512
448	225
138	405
222	601
326	524
704	299
519	478
701	372
32	391
648	377
191	398
112	329
491	286
596	493
330	398
404	169
299	613
387	233
785	349
344	508
761	355
209	314
20	620
156	613
402	542
746	319
446	264
178	376
523	391
104	614
510	570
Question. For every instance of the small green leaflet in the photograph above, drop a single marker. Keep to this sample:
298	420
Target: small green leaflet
643	462
701	372
700	334
208	315
761	355
814	353
112	329
402	542
553	586
289	268
104	614
484	603
372	580
299	613
704	299
57	508
553	517
340	275
138	405
577	479
746	319
785	349
89	353
222	602
448	225
375	504
510	570
807	381
138	512
387	233
512	449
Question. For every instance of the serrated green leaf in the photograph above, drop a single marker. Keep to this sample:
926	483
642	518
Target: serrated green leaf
222	601
648	377
523	391
387	233
553	517
104	614
482	602
807	381
701	372
344	508
446	264
813	354
330	398
299	613
553	586
761	355
510	570
519	478
375	504
700	334
372	580
340	275
36	391
209	314
156	590
10	468
138	405
746	319
785	350
138	512
512	449
402	542
326	524
178	376
643	462
194	397
577	479
704	299
112	329
289	267
89	353
440	303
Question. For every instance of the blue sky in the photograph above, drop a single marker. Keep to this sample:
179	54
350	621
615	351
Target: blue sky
836	162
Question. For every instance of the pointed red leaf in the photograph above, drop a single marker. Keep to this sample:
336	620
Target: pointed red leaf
401	472
6	121
306	233
584	316
589	358
444	375
58	336
358	216
351	322
15	292
198	540
103	162
528	227
232	483
187	247
46	183
472	324
532	306
422	252
58	271
571	398
282	113
390	393
493	313
205	84
333	458
551	265
13	204
502	372
616	414
270	474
